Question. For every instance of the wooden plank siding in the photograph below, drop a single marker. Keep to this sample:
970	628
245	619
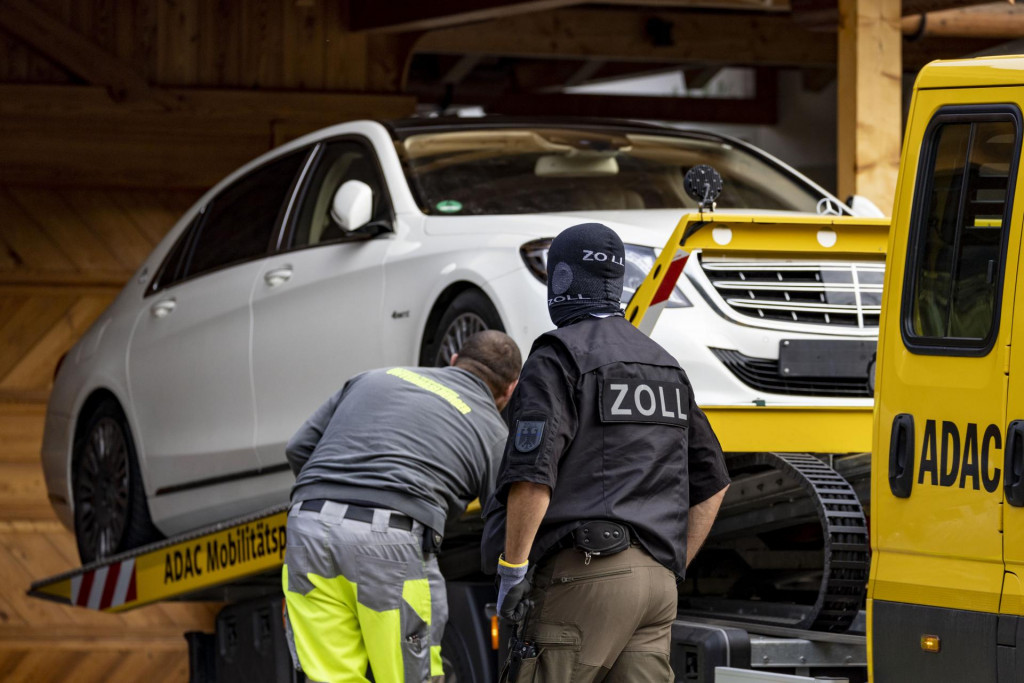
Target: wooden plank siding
273	44
64	254
84	232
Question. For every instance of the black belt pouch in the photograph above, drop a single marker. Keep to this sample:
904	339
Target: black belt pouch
431	541
600	537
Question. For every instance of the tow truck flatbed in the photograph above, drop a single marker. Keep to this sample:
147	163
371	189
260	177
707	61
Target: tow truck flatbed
232	560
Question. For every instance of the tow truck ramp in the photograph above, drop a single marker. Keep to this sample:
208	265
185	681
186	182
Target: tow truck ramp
231	560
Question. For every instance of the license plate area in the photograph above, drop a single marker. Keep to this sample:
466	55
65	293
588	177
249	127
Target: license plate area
849	358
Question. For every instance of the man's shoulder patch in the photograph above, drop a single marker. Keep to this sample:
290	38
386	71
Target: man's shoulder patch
529	434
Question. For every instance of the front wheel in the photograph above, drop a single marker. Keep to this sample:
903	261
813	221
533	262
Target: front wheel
111	514
469	312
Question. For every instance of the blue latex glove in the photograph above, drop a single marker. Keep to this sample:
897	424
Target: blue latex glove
512	591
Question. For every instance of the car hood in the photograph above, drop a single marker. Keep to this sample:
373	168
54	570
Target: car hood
649	227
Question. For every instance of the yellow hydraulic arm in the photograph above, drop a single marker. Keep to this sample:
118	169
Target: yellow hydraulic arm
810	429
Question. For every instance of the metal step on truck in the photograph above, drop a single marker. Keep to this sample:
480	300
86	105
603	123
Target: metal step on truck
776	594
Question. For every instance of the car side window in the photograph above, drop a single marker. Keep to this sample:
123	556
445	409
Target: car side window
171	268
961	215
339	162
239	222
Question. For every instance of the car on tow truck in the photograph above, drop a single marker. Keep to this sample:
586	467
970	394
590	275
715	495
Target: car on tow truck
368	244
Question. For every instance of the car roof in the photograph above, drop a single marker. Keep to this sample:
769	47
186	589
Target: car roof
404	128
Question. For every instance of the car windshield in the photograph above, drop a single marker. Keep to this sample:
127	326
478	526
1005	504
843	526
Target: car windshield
542	170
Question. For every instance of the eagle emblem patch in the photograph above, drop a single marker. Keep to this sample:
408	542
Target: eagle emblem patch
528	434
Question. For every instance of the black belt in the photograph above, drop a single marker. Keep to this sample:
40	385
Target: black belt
359	513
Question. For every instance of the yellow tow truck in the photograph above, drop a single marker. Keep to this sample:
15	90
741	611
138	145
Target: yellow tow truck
946	594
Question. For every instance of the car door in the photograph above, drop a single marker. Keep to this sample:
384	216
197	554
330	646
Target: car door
942	392
189	356
316	303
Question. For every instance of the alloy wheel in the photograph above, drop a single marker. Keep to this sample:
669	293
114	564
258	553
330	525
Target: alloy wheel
461	328
102	488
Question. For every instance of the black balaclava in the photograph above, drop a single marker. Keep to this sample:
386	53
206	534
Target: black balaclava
585	267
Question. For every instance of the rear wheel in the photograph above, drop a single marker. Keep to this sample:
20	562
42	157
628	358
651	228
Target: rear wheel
111	514
455	659
469	312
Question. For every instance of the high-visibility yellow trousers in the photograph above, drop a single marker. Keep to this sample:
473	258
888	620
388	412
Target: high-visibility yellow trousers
361	594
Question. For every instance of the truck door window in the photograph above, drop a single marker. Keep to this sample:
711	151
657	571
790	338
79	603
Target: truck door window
954	277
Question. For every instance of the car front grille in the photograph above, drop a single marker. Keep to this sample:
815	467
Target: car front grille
846	294
763	374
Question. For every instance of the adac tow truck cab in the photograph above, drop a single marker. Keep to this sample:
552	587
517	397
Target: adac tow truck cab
946	593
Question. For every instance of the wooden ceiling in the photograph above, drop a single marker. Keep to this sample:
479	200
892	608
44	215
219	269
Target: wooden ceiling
506	55
497	51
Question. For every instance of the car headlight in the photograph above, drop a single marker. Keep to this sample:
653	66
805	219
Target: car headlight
639	261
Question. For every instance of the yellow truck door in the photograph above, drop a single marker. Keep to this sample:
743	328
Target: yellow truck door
1011	636
937	565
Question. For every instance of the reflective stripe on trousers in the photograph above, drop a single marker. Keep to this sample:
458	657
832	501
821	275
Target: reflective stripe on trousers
360	593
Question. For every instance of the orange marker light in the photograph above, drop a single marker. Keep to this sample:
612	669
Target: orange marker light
494	632
930	643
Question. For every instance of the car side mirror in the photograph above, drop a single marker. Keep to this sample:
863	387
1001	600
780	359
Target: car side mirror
352	205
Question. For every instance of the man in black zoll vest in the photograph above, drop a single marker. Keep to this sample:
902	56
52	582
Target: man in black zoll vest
610	482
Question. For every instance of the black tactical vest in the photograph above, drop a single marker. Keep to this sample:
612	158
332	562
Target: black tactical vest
627	461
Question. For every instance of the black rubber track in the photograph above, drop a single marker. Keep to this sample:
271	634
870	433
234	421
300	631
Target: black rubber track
846	546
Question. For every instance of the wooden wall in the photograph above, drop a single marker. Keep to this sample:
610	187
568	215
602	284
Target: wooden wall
63	257
115	115
266	44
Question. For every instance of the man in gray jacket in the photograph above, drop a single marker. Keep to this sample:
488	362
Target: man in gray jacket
379	467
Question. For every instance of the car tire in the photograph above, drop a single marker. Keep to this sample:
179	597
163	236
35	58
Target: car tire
468	313
110	510
455	659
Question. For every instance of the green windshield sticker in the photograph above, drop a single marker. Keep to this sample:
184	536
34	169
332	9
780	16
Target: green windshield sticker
449	206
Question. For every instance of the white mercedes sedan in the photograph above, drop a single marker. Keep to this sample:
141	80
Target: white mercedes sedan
370	244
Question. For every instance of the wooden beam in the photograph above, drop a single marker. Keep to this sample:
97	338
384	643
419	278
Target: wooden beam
869	108
697	110
823	15
920	6
73	51
740	5
415	15
1003	22
623	35
208	134
264	105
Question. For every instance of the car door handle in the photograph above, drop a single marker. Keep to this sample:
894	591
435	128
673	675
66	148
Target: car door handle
278	276
1013	464
161	309
901	456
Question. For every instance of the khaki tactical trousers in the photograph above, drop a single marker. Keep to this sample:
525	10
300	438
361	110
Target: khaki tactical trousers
609	620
